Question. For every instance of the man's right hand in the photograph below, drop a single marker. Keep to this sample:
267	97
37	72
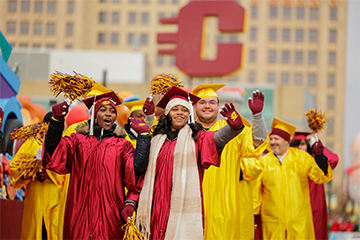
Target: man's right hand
149	106
60	110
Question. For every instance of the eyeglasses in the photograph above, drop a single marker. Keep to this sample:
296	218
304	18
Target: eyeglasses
210	103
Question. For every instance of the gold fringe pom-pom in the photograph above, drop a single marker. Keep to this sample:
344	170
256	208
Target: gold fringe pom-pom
161	83
27	165
34	131
131	232
71	86
316	120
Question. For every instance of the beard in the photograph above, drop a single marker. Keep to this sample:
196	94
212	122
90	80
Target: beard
207	119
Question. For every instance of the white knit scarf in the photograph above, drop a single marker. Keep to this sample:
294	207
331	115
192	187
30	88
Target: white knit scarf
185	219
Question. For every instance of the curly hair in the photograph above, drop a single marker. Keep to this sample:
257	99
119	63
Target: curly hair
164	125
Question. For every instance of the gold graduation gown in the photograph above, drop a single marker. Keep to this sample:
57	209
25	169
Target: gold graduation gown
42	201
284	195
228	202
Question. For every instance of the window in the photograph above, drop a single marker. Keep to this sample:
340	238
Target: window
159	60
25	6
312	57
253	12
172	60
12	6
333	13
175	1
330	126
102	17
132	18
69	29
299	35
271	77
36	45
162	1
38	6
37	28
252	55
23	45
284	78
11	27
272	56
103	1
300	13
233	38
115	17
272	34
331	80
273	12
252	77
132	1
101	38
69	46
314	13
143	39
145	18
298	79
299	56
286	35
116	1
285	56
145	1
332	58
50	28
220	39
131	39
312	80
51	7
332	35
313	35
253	33
114	38
70	7
286	13
24	28
331	102
160	16
50	45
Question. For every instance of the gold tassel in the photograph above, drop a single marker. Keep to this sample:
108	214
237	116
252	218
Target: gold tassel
27	165
71	86
131	232
161	83
316	120
34	131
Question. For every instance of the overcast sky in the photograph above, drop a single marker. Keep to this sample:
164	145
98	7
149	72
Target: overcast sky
352	98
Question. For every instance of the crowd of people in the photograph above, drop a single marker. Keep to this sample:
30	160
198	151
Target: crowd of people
185	174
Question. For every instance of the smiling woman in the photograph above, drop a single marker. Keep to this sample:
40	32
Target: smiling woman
101	163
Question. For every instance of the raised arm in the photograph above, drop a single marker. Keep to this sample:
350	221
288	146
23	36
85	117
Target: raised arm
256	105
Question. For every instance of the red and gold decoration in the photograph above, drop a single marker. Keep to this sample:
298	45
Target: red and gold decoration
316	120
27	165
161	83
34	131
71	86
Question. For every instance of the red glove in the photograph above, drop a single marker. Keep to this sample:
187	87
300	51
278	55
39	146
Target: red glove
149	106
1	117
232	117
127	212
257	103
60	110
41	175
318	147
139	125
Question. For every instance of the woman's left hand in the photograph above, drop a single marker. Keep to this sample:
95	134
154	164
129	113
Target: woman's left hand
127	212
232	116
139	125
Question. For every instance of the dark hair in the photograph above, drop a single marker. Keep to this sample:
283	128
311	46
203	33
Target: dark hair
296	143
164	125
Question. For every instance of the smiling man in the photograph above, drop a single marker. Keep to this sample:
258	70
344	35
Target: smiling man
283	185
230	184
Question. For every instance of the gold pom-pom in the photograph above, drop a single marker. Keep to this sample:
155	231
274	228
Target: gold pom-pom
161	83
34	131
316	120
131	232
71	86
27	165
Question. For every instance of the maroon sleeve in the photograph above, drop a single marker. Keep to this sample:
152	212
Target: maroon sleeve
333	158
206	149
61	160
132	184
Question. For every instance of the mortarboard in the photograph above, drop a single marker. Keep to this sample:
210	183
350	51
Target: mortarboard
135	105
207	90
282	129
301	135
